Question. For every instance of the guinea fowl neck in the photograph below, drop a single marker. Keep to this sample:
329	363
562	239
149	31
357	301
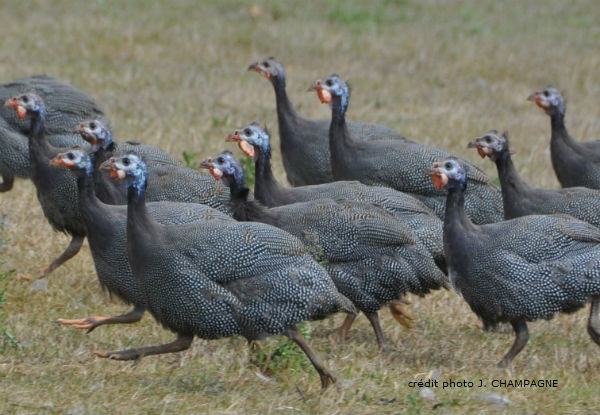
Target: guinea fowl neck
285	109
102	154
40	149
340	140
266	187
87	196
559	130
456	221
139	221
38	118
245	210
513	186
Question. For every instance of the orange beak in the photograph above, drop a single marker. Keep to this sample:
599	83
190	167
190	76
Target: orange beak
215	172
256	68
56	162
78	128
537	98
234	136
243	145
115	173
439	179
482	151
533	96
14	103
323	94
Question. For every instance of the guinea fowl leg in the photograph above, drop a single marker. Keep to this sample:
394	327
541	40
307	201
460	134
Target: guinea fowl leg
343	330
90	323
70	252
374	320
400	314
593	328
7	183
326	377
522	335
181	343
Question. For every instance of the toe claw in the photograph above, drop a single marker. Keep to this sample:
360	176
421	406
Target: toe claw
327	380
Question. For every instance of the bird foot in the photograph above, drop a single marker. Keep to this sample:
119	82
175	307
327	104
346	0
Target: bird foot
400	314
24	277
254	345
385	348
326	379
129	354
44	272
87	323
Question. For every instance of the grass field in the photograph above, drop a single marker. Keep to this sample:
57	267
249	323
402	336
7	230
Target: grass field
173	74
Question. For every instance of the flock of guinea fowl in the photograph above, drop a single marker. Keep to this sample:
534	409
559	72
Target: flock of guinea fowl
371	216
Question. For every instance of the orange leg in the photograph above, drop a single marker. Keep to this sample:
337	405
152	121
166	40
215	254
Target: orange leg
400	314
90	323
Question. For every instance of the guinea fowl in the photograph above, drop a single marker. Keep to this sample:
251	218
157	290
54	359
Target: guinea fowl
106	233
398	164
426	226
215	279
370	255
519	270
55	188
521	199
303	141
168	178
575	163
65	106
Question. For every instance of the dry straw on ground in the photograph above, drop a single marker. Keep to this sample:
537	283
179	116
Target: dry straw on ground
174	74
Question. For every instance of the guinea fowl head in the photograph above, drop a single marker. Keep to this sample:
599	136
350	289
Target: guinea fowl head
491	144
268	68
74	159
26	104
128	169
332	87
225	167
250	138
550	100
95	133
447	174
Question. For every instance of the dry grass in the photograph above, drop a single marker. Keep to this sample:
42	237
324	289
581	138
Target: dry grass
173	74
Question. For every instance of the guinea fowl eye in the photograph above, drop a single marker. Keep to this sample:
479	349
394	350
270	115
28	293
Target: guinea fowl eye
488	139
448	165
329	82
93	125
220	160
126	161
70	156
266	64
25	98
247	131
546	93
